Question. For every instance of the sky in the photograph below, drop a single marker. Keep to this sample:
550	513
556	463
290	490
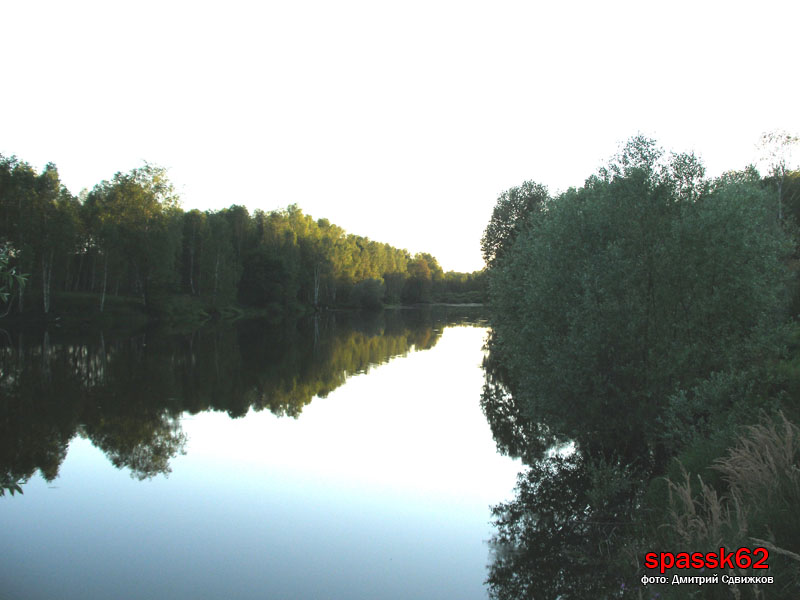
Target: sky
399	121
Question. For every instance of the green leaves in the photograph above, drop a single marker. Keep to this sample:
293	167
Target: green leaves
9	485
646	279
508	218
9	278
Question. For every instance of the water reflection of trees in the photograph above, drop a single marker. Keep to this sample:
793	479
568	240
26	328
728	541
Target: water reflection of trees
126	393
565	533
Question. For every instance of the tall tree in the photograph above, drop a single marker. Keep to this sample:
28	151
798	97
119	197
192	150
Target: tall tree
194	233
56	228
777	148
19	193
220	270
9	279
419	283
137	223
512	210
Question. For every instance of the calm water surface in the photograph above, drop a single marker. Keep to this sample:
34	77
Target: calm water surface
342	458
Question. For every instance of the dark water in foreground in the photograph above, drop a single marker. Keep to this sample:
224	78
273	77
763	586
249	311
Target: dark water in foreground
342	458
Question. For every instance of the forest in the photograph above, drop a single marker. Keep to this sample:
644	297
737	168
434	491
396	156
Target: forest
128	242
645	366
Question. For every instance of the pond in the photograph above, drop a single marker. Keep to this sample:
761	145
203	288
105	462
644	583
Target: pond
337	457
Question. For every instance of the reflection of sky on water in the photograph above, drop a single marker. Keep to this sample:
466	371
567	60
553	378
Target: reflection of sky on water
380	490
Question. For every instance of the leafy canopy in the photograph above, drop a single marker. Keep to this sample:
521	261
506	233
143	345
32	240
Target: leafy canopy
640	283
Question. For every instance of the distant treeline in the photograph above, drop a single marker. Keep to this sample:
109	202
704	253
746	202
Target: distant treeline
130	237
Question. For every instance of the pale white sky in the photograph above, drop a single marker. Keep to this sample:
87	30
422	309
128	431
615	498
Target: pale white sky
399	121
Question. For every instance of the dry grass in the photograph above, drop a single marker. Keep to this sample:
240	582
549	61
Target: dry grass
762	471
706	520
763	465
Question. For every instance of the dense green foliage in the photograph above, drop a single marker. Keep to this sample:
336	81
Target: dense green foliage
640	283
129	237
640	319
9	278
509	217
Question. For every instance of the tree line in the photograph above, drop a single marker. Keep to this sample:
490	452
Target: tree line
645	365
129	236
